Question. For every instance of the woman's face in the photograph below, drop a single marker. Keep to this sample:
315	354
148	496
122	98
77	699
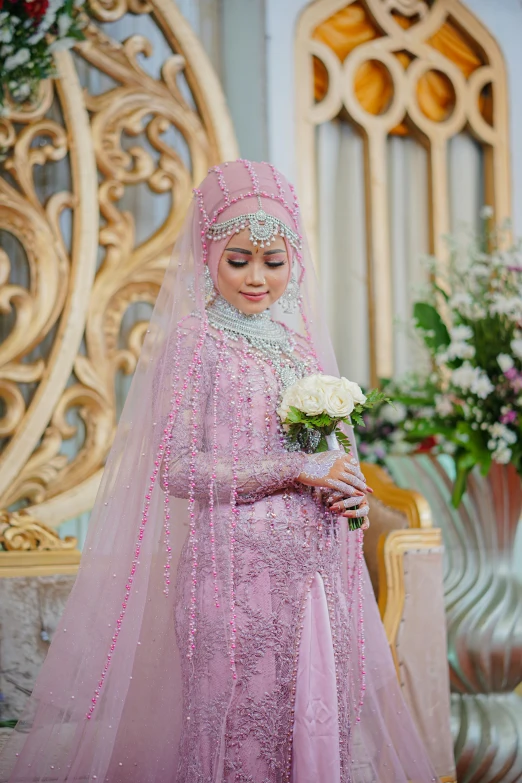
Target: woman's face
251	278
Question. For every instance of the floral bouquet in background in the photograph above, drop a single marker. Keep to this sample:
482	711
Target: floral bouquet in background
313	408
471	324
30	31
384	434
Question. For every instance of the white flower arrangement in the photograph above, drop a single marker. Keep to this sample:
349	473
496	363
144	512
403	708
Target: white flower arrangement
471	325
314	407
30	31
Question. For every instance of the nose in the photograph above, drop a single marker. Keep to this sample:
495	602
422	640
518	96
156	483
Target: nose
255	275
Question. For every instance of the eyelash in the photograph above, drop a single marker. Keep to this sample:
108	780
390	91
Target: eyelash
240	264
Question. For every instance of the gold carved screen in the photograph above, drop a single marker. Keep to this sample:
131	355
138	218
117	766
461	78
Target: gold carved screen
74	262
427	70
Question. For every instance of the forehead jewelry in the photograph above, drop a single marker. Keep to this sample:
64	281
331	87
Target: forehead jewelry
264	228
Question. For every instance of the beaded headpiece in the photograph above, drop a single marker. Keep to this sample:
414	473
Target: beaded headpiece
264	228
241	194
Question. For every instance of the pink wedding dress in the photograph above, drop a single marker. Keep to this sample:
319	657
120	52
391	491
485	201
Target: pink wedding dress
222	627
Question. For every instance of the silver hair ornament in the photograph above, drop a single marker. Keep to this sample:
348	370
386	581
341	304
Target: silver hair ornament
264	228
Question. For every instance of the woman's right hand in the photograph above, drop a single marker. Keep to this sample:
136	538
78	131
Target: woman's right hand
334	470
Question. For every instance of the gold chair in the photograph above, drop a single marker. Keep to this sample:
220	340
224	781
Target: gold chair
404	557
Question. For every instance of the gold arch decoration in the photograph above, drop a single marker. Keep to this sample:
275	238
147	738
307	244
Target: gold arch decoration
400	67
63	345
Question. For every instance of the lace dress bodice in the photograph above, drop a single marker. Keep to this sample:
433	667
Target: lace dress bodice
283	536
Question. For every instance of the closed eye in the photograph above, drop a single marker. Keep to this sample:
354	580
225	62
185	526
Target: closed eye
237	264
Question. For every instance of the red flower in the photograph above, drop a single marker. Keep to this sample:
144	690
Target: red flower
36	8
427	444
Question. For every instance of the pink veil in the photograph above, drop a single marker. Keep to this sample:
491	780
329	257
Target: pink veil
108	702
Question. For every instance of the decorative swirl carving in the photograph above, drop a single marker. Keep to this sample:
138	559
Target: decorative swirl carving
20	532
63	348
408	7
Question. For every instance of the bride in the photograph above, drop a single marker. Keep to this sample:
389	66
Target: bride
222	627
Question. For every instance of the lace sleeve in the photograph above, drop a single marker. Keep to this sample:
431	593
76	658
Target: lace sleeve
257	475
260	478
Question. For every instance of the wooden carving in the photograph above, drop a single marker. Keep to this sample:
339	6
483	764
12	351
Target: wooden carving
71	264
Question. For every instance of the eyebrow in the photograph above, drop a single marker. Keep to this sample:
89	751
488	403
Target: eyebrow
249	252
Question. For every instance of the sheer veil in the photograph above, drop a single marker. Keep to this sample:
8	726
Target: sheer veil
108	704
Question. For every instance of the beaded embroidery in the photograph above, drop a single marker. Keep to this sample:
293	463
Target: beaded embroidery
264	228
264	334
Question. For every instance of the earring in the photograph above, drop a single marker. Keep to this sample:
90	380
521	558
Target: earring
210	291
290	299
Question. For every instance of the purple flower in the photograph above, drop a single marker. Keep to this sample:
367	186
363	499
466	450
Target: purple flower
511	374
508	418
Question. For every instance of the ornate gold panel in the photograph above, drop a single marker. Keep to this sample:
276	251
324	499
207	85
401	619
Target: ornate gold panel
429	69
63	346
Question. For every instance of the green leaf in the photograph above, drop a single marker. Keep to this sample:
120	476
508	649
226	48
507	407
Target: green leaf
429	319
323	445
294	414
343	440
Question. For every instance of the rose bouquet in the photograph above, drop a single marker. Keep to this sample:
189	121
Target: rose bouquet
30	31
313	408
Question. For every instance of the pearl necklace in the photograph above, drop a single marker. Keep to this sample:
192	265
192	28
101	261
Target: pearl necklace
263	333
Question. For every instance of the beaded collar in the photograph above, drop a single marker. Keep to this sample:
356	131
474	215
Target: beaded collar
263	333
255	327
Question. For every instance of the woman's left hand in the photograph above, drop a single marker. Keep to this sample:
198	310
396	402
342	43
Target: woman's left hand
346	507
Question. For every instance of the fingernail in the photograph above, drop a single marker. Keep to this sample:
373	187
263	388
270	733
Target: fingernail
369	489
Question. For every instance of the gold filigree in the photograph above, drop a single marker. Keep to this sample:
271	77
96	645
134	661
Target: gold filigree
408	7
20	532
62	346
390	73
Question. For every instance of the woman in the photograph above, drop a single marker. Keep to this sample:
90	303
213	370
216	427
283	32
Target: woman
222	626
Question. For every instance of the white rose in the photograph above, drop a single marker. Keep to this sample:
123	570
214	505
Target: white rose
306	395
339	401
505	362
310	397
355	390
